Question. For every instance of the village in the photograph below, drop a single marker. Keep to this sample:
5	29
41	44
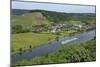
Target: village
57	27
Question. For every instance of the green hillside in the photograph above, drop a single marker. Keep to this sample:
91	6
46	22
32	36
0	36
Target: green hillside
39	17
29	19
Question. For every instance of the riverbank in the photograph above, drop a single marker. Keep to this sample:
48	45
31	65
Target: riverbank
83	52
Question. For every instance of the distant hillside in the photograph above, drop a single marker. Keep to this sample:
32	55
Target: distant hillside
59	16
29	18
19	11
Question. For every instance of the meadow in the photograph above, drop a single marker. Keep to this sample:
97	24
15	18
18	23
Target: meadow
26	40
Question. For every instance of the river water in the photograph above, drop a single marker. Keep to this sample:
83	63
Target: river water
53	46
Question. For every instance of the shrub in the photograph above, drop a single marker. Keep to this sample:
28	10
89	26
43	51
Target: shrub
19	29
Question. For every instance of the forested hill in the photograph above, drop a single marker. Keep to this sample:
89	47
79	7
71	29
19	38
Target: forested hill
57	16
19	11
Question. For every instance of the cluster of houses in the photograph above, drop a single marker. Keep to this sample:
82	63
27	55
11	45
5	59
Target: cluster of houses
58	27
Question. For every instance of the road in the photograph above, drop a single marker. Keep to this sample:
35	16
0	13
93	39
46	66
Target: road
53	46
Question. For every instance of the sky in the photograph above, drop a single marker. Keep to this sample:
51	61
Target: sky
53	7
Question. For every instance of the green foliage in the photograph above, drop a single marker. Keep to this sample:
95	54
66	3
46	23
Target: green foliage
59	17
27	26
19	29
40	18
25	40
83	52
57	38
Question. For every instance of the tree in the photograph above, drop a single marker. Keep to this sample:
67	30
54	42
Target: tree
17	28
57	38
12	50
30	46
20	50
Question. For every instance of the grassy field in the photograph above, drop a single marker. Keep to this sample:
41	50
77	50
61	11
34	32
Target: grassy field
24	40
83	52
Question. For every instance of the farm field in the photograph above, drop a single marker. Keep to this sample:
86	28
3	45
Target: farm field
25	40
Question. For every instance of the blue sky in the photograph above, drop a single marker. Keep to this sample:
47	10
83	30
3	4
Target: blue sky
53	7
